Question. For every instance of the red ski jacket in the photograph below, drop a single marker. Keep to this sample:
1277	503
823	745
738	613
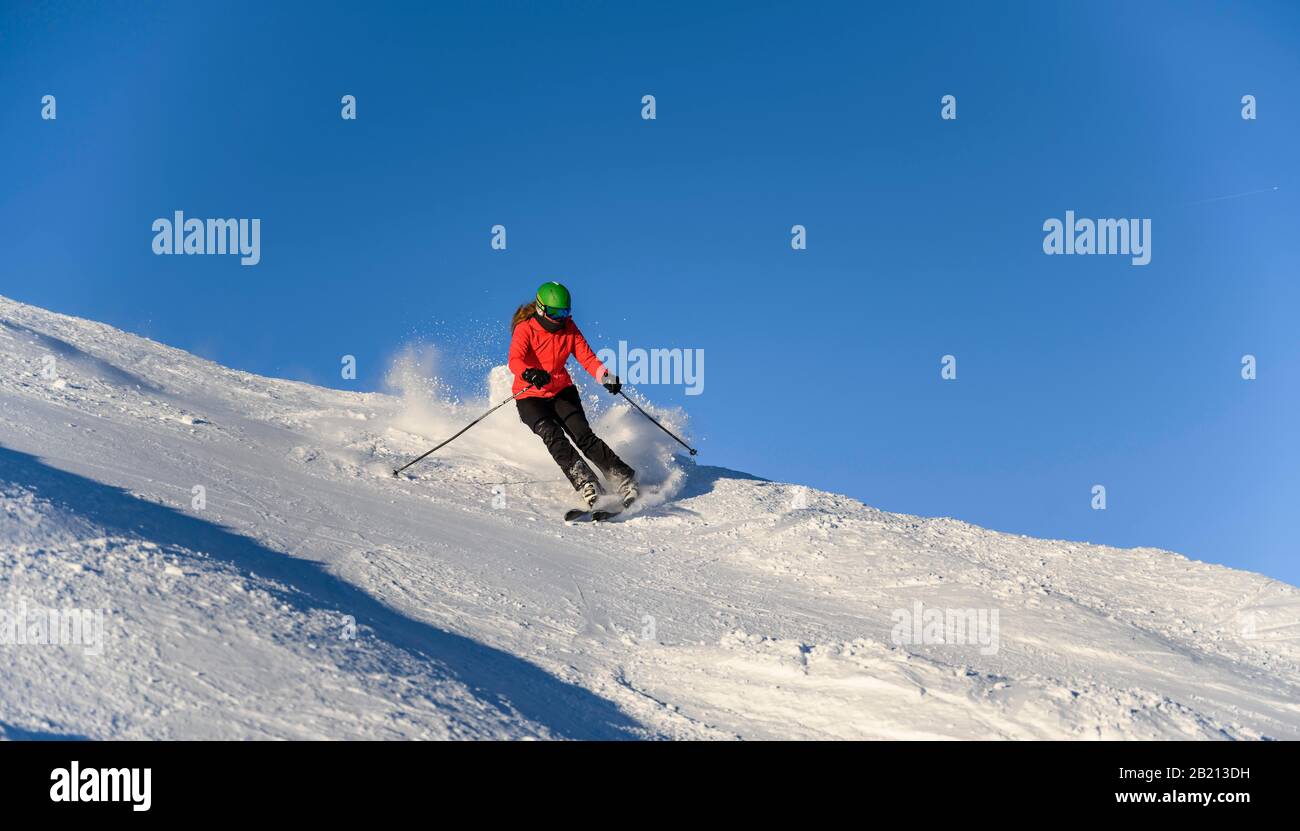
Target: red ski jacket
531	346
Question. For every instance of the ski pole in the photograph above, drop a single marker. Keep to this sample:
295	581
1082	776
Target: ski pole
657	424
463	429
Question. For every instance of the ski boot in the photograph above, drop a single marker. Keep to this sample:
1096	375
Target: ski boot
588	492
627	489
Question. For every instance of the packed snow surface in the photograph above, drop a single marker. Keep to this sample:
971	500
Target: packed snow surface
257	572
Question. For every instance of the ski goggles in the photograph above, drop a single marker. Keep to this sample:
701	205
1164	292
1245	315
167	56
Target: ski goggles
553	312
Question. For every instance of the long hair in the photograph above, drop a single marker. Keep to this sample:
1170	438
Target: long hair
522	313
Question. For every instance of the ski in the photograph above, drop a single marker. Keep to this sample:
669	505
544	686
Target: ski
580	515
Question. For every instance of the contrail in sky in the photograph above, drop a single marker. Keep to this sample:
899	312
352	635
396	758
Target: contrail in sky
1233	196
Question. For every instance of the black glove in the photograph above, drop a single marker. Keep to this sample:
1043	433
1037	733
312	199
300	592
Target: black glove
537	377
611	383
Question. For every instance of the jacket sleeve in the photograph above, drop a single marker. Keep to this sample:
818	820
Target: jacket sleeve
519	350
582	351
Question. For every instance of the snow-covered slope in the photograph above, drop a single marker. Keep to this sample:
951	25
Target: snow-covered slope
310	594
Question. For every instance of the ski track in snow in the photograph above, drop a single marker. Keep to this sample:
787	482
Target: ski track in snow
722	606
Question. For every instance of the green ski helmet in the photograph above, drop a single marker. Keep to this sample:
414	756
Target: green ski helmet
553	300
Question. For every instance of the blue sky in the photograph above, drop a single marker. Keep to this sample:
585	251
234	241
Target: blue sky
822	366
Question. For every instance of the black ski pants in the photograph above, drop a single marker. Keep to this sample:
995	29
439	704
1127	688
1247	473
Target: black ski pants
561	419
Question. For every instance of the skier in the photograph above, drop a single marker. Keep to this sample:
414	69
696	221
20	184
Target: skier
543	336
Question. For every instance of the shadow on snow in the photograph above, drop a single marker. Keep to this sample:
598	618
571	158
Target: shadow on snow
496	677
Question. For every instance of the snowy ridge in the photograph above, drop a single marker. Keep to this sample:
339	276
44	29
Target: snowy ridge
724	606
